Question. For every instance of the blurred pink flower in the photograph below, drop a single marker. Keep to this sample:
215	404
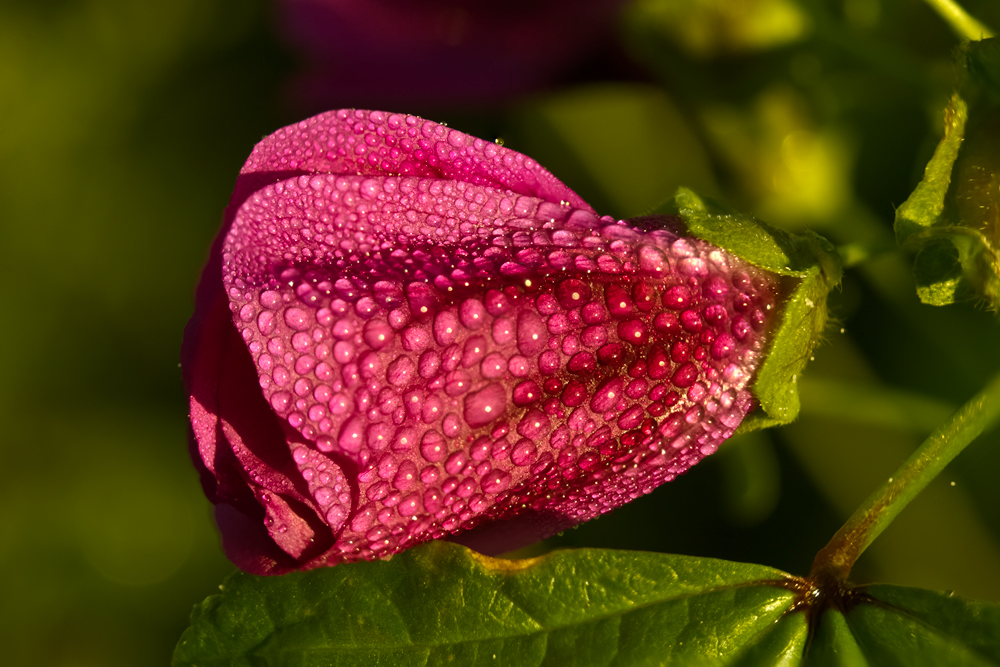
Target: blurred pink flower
439	52
405	333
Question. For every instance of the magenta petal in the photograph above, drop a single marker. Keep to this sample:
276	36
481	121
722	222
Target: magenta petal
430	336
376	143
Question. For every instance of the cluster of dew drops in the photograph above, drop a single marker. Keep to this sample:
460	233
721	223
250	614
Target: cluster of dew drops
565	367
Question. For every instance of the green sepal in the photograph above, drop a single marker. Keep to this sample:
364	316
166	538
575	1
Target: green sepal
937	270
924	208
952	218
808	266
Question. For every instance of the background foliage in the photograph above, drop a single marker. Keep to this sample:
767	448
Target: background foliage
123	125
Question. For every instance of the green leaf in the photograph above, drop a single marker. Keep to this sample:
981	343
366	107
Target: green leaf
810	267
833	643
932	628
441	604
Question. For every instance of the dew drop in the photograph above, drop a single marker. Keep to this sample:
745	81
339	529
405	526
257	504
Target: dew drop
582	363
409	506
432	446
351	435
523	453
406	476
401	371
619	301
281	376
610	354
432	409
594	336
715	288
723	346
473	351
497	303
297	318
526	393
677	297
685	376
607	395
429	475
715	314
430	362
445	327
631	418
377	334
574	394
246	313
270	299
548	362
472	314
667	325
594	313
398	318
495	482
343	352
560	437
266	322
519	366
633	332
533	425
503	331
416	338
532	334
457	383
740	328
693	266
451	425
484	406
573	293
336	516
494	365
377	436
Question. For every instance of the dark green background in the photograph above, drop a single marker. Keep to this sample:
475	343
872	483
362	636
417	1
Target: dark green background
123	125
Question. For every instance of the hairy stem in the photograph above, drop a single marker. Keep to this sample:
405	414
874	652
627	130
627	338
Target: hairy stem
965	26
835	560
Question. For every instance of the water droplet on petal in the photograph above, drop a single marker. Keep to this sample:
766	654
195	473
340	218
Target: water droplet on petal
495	482
485	405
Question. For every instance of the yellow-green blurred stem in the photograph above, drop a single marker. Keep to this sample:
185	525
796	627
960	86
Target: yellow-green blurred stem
964	25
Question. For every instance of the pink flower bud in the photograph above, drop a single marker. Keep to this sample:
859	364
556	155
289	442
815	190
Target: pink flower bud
405	333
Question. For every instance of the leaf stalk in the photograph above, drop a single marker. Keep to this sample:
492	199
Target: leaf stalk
833	563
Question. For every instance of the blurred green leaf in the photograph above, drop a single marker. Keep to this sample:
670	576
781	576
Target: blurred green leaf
873	405
710	28
813	268
624	147
442	604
